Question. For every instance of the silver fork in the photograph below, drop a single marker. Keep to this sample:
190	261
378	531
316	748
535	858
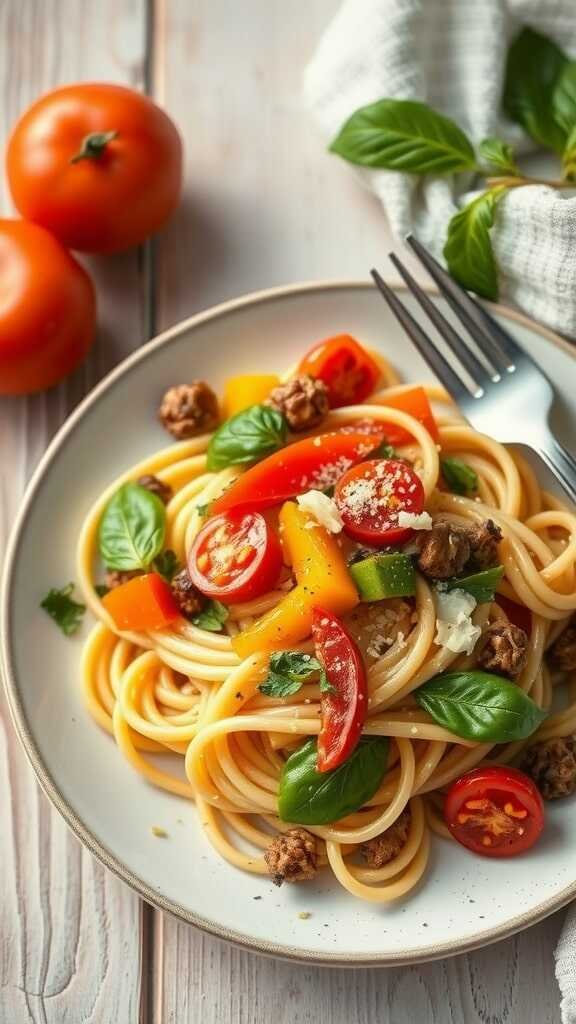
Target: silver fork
507	395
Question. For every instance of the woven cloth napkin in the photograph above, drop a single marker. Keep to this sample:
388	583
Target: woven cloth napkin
452	54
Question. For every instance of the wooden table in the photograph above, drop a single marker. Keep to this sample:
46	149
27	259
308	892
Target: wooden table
264	204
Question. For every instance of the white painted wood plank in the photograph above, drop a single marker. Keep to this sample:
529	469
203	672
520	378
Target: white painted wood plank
267	205
69	949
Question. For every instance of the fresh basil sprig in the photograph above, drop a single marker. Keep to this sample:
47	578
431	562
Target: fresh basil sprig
499	155
247	437
66	612
459	476
532	72
212	617
468	249
132	528
404	135
480	706
288	671
310	797
482	585
167	564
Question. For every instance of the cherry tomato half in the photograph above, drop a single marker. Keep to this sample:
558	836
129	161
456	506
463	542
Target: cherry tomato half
496	811
344	708
370	497
235	557
347	370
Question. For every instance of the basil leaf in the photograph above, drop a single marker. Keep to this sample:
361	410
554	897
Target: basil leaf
404	135
101	589
499	155
310	797
212	617
459	477
167	564
532	72
569	158
564	97
132	528
482	585
288	670
66	612
250	435
480	706
468	250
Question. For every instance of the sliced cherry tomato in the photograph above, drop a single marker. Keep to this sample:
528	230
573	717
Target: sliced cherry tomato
313	464
343	708
415	403
347	370
496	811
235	557
370	497
146	602
518	614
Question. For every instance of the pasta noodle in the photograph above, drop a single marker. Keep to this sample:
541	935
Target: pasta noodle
183	691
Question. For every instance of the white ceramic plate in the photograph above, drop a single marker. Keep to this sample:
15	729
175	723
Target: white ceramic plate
465	901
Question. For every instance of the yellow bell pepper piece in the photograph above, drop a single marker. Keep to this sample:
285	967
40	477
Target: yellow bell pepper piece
322	580
245	390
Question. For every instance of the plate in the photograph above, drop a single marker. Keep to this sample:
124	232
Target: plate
465	901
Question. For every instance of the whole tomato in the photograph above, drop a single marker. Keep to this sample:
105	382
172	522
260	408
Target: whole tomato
47	309
98	165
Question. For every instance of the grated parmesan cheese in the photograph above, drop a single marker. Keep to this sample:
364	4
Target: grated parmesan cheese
454	627
423	521
323	509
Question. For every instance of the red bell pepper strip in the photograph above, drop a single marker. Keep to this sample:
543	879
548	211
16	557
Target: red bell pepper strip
344	707
313	464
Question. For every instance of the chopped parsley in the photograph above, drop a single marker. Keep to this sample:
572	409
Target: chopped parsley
287	672
66	612
101	589
212	617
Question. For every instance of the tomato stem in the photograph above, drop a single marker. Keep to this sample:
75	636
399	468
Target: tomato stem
93	146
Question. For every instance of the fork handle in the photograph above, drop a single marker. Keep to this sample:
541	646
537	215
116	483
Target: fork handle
562	464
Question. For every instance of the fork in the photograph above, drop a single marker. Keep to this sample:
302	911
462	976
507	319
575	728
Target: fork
505	394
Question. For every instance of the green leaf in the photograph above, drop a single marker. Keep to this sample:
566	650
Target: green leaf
532	73
247	437
167	564
458	476
384	451
482	585
325	684
564	98
404	135
468	250
480	706
310	797
287	672
569	158
204	509
101	589
499	156
132	528
212	617
61	606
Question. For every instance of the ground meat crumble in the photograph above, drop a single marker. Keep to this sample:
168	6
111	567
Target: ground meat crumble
552	765
292	856
383	848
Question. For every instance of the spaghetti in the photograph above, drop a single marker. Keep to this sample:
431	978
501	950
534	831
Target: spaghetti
184	690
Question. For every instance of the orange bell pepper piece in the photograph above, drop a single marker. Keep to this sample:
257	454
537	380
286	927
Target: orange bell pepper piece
146	602
322	580
415	403
245	390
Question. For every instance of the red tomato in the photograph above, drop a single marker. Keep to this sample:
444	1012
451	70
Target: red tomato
235	557
98	165
344	711
146	602
313	464
47	312
496	811
347	370
371	495
519	614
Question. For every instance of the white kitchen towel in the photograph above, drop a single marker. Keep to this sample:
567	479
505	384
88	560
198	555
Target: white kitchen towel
451	54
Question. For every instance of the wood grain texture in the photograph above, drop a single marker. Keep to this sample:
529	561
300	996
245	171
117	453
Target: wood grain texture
69	931
265	205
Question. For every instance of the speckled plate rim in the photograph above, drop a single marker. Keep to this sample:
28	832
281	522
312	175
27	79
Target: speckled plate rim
91	841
